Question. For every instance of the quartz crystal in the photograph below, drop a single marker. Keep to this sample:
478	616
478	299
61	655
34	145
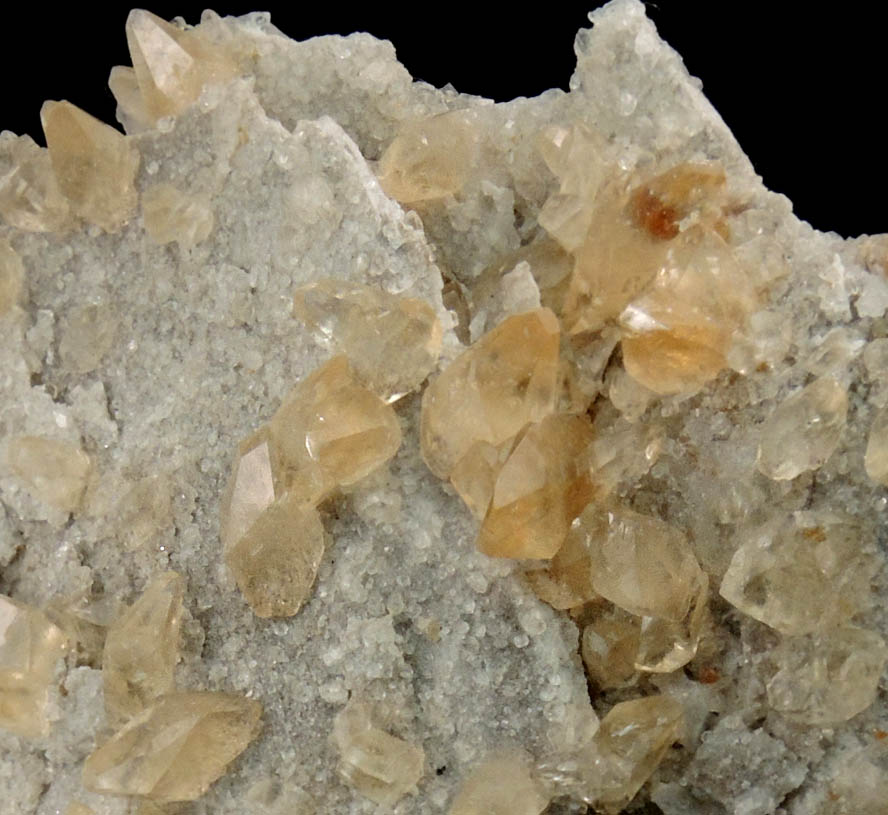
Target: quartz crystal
501	785
87	336
803	573
30	647
175	749
172	65
825	679
803	431
331	432
378	765
95	165
53	471
12	275
876	459
172	215
500	384
392	342
30	198
429	158
540	489
142	648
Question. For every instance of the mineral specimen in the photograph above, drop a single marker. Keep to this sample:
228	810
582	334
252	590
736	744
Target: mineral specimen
53	471
501	785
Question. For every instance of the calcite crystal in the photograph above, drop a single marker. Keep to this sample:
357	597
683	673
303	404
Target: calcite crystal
30	198
53	471
12	274
169	215
30	648
176	748
501	785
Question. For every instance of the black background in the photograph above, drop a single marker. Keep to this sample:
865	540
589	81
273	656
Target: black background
804	93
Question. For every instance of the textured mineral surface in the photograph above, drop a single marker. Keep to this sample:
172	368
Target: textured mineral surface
367	447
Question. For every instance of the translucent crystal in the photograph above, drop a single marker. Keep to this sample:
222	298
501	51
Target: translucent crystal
610	646
331	432
76	808
540	489
172	215
30	647
95	165
87	335
175	749
143	511
131	111
501	383
12	274
802	574
429	158
53	471
474	476
172	65
803	431
379	766
500	785
876	459
392	342
565	582
30	198
142	648
824	679
664	644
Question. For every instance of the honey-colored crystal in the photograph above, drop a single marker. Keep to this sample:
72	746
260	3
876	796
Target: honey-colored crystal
474	476
142	648
143	511
331	432
30	198
876	459
565	581
392	342
500	785
379	766
803	431
94	165
30	647
429	158
610	646
500	384
825	679
87	335
802	574
76	808
175	749
172	65
172	215
131	110
12	274
53	471
540	489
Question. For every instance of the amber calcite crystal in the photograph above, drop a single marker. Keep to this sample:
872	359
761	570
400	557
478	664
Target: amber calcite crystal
175	749
876	459
94	165
804	573
12	275
502	784
825	679
30	647
609	647
379	766
53	471
30	198
503	382
88	333
540	489
171	215
392	342
142	649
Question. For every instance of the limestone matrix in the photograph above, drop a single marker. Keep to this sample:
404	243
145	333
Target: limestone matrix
371	447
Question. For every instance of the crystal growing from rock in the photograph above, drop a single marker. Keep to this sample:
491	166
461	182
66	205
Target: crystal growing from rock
30	198
500	785
12	275
53	471
172	215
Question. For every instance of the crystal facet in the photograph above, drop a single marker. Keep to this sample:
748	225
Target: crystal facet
500	785
54	471
30	198
12	275
172	215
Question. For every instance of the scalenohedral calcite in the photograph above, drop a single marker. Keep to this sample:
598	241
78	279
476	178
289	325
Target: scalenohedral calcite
366	445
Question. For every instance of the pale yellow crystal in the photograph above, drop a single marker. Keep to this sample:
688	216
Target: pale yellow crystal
630	743
803	573
172	215
379	766
392	342
87	335
94	164
474	476
610	646
501	785
131	110
12	275
84	621
142	649
30	647
803	431
172	65
565	582
76	808
825	679
30	198
53	471
143	512
429	158
275	561
331	432
500	384
175	749
539	491
876	459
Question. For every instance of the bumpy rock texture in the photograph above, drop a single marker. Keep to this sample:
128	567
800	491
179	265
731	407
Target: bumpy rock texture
721	402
